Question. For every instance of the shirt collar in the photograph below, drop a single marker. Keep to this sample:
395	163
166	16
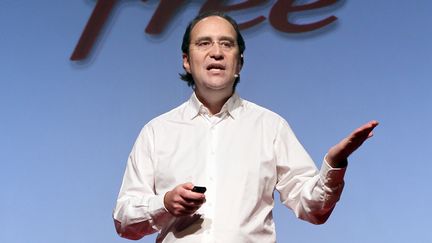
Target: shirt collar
195	107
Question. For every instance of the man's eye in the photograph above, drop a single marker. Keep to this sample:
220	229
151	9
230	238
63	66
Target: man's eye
227	44
204	43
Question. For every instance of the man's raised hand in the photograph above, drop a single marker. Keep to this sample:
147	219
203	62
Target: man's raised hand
338	154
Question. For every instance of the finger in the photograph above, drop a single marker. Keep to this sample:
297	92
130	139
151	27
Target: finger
187	186
190	195
181	210
370	125
195	203
364	131
192	203
190	198
191	206
180	205
359	136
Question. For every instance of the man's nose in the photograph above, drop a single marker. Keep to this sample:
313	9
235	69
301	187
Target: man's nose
216	51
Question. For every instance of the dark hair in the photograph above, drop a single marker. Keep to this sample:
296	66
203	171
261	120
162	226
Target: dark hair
186	42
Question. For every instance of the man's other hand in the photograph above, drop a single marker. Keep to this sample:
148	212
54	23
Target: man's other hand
338	154
182	201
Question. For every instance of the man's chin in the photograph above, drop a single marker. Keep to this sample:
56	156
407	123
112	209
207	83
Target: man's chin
220	83
219	86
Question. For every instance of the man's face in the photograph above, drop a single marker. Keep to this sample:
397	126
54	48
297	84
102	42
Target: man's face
213	57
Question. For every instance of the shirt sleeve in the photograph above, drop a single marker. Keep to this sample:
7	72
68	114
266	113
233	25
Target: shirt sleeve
310	193
139	210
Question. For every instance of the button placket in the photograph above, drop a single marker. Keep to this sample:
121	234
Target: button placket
212	146
212	170
213	140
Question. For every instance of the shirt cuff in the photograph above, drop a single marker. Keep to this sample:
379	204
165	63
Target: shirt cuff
156	203
160	215
332	177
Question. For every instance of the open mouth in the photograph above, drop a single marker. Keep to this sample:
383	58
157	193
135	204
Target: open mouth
216	67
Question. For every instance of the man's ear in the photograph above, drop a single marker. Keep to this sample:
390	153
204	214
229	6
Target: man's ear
241	61
186	64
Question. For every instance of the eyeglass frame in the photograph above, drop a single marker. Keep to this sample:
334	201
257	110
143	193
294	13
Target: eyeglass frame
206	43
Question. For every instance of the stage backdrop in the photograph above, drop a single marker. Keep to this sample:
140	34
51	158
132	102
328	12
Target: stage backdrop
67	127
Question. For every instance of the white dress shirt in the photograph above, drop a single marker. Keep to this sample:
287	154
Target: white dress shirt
241	155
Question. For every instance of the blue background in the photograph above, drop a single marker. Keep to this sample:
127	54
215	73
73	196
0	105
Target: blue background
66	128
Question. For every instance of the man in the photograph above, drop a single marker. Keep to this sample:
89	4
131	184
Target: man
239	151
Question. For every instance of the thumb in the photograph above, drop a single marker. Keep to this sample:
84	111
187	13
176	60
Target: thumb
188	186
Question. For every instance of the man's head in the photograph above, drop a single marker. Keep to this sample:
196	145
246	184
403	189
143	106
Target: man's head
212	50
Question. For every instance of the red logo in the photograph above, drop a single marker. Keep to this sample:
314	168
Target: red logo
278	18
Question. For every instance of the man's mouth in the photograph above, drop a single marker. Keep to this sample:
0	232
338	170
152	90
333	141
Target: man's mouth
215	66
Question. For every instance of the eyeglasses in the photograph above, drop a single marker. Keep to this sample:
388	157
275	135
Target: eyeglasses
224	45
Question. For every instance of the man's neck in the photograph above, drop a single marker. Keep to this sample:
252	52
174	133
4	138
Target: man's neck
214	100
